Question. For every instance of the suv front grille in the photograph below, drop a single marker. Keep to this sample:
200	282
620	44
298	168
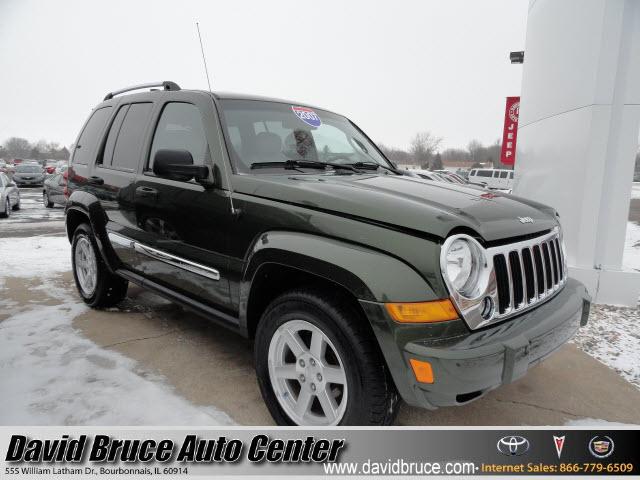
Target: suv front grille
527	273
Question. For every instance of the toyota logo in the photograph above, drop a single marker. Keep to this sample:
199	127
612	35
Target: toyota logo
513	445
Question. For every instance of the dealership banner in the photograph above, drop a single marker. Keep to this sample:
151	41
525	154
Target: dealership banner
83	452
510	133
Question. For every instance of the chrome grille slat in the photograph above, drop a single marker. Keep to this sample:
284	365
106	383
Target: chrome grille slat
550	277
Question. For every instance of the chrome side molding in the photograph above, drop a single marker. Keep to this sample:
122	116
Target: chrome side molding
165	257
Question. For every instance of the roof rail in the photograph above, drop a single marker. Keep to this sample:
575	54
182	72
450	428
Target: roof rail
172	86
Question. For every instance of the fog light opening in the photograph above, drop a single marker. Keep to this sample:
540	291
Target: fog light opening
487	308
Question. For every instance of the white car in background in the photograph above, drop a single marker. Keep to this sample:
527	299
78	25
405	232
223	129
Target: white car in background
495	178
9	196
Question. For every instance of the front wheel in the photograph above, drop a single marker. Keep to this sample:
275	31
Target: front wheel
7	208
318	363
97	286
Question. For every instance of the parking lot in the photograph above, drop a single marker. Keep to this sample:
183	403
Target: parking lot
150	362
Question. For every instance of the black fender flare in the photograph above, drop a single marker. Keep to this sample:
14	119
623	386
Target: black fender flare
368	274
87	204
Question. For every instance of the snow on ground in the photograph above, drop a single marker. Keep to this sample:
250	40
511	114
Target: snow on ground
612	336
34	256
32	209
51	375
596	422
631	256
635	190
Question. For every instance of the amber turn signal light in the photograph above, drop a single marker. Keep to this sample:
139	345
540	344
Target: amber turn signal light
422	312
422	370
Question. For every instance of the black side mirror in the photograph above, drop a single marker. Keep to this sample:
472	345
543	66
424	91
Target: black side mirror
178	165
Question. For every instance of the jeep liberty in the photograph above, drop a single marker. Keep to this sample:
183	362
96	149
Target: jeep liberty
358	286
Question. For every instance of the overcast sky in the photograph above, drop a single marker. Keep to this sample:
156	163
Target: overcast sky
394	67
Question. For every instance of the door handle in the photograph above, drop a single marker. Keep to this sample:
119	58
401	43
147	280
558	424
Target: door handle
93	180
146	192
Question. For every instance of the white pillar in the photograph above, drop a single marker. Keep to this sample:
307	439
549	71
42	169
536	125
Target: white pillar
578	131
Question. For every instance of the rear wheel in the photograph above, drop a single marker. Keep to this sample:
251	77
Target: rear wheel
45	199
17	205
97	286
318	363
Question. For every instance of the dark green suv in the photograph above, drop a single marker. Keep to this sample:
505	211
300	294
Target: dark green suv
357	284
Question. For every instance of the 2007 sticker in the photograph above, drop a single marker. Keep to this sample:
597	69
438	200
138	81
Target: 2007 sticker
307	115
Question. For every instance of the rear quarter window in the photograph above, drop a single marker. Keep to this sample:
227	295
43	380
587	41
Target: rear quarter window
83	152
484	173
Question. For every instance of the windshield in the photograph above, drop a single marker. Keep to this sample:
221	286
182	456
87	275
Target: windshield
261	131
29	169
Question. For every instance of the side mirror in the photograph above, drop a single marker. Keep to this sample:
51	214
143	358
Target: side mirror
178	165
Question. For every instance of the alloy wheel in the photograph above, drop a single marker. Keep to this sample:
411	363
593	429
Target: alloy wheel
307	374
86	266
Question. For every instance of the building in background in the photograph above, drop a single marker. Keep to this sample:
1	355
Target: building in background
578	131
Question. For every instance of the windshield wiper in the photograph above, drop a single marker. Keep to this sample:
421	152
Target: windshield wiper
372	166
296	164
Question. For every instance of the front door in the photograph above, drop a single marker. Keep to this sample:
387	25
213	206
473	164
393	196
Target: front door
182	225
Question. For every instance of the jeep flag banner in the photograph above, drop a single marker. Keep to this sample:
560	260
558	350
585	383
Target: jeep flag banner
510	134
132	452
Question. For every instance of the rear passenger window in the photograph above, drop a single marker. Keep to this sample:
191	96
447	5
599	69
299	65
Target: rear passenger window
180	128
107	154
126	151
503	174
484	173
90	136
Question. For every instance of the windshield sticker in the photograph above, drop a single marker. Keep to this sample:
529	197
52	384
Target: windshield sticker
307	115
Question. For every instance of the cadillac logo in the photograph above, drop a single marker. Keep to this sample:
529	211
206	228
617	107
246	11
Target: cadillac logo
513	445
601	446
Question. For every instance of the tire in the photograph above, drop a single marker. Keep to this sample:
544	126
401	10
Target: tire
7	208
371	396
45	199
104	289
16	207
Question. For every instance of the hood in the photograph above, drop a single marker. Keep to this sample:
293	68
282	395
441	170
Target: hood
428	207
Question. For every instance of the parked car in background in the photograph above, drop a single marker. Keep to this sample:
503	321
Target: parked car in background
452	176
29	174
3	166
9	196
61	166
492	178
50	167
53	191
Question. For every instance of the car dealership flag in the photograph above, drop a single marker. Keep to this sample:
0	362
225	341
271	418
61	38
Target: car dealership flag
510	134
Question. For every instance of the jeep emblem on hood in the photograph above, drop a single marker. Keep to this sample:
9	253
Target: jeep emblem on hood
525	219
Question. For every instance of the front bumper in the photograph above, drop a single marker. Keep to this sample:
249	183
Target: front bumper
25	183
467	364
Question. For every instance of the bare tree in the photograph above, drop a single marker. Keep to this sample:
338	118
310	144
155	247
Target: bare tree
475	149
423	147
17	147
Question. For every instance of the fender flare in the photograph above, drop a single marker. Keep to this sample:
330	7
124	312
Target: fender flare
366	273
89	205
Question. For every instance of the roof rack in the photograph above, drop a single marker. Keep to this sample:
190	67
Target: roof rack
172	86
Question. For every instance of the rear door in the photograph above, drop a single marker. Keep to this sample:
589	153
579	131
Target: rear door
113	177
183	227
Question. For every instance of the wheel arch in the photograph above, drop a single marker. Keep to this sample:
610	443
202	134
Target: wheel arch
281	260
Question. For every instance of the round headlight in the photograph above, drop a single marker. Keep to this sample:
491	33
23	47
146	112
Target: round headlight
463	262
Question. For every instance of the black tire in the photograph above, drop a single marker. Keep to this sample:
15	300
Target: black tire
372	398
16	207
7	209
110	289
45	199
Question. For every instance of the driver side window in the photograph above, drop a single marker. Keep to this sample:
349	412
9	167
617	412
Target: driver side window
180	128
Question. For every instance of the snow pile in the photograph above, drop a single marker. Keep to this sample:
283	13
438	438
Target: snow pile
51	375
612	336
635	190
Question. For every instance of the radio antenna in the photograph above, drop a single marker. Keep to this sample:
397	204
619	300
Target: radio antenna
204	60
224	163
